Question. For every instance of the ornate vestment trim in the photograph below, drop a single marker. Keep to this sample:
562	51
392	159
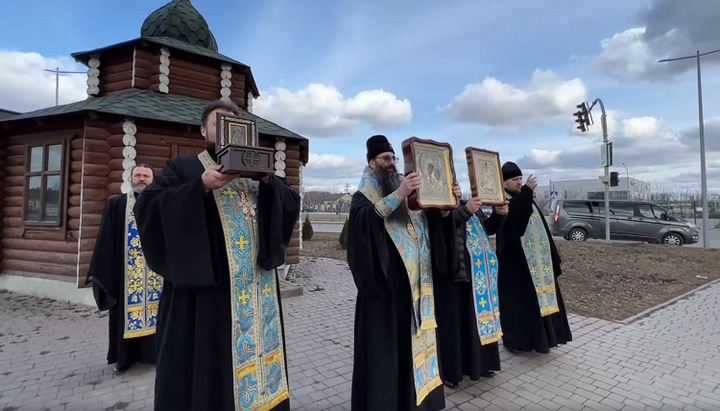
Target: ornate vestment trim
536	246
259	375
484	265
385	206
413	245
143	287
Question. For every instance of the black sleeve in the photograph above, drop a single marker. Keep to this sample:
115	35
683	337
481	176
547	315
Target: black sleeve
171	218
104	265
443	243
493	223
279	211
368	253
520	208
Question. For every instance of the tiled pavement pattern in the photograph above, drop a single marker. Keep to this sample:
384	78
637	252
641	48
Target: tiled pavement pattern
52	357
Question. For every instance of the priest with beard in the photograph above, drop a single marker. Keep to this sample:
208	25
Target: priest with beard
121	282
467	301
533	312
217	240
389	254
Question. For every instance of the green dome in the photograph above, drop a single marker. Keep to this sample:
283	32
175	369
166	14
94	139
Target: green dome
181	21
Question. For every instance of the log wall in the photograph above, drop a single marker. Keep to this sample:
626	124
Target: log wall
115	73
143	68
28	250
187	78
3	164
237	90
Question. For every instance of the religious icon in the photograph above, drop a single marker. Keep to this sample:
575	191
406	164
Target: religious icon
486	179
432	161
238	150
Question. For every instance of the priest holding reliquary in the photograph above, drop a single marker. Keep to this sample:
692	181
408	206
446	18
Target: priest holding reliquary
216	226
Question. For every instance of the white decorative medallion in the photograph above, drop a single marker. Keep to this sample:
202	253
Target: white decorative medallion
164	70
225	81
129	153
280	147
93	74
250	102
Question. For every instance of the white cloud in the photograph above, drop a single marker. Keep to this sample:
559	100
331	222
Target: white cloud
506	108
664	29
332	172
651	152
321	111
25	86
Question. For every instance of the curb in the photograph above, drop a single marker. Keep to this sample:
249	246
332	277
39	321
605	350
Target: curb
671	301
289	290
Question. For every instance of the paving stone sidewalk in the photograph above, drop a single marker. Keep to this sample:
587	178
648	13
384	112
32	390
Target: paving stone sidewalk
52	358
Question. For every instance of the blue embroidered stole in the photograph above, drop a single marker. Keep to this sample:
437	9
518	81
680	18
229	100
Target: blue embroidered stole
413	244
259	374
484	268
536	246
143	287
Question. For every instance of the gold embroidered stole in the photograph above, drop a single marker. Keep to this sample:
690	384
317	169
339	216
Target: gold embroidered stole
536	246
484	269
259	374
413	244
143	287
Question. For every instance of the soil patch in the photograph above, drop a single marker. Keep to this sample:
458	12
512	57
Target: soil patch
608	281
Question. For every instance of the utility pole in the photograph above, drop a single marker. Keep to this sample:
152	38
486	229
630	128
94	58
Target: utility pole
584	120
347	188
57	72
701	129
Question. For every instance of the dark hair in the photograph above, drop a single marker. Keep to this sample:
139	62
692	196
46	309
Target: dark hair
143	165
218	104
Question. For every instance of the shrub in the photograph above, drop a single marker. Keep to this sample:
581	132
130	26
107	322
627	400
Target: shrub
344	234
307	230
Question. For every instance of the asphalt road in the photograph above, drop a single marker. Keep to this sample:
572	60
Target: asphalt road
336	227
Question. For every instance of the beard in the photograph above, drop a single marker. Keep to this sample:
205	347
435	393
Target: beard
138	189
388	181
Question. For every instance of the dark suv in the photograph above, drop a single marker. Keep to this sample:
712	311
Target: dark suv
578	220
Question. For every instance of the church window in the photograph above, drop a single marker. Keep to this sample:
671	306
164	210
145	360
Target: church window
44	184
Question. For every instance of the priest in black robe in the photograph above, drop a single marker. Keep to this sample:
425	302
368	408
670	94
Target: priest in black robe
217	240
121	282
466	302
389	254
532	309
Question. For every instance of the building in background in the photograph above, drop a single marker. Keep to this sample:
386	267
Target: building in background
594	189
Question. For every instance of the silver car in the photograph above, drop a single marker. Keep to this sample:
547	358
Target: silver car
578	220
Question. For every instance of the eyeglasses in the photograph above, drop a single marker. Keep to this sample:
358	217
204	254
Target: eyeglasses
389	158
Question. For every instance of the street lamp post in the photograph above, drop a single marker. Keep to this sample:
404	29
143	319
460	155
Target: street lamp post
627	181
701	125
57	72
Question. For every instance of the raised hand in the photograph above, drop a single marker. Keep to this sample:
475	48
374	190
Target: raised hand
531	182
213	179
474	205
457	190
409	184
502	210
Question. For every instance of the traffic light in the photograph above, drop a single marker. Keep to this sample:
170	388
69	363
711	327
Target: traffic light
614	178
582	117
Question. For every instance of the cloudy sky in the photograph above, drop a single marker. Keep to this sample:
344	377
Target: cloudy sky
504	76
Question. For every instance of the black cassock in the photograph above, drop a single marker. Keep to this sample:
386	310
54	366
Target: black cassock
524	329
382	367
107	276
461	352
183	241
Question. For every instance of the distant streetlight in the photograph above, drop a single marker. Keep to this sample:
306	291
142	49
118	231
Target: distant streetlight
57	72
627	180
701	125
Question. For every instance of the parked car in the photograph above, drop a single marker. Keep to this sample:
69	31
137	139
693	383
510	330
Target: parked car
578	220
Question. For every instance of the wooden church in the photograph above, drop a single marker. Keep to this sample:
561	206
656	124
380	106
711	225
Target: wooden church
61	164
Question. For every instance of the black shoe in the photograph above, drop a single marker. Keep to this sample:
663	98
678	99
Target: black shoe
488	374
119	369
450	384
